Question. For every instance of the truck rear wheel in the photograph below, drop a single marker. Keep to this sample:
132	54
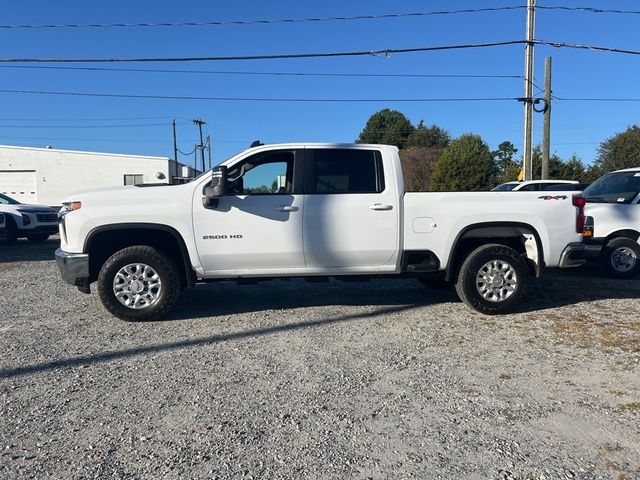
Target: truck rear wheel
620	258
493	279
139	283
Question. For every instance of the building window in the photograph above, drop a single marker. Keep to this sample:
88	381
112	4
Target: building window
133	179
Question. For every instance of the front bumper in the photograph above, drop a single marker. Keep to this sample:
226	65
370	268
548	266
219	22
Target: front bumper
50	229
573	255
74	268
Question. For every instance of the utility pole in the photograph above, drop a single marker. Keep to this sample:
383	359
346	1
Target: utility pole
209	149
175	147
528	90
195	160
200	123
546	131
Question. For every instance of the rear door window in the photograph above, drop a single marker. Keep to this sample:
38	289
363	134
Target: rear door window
345	171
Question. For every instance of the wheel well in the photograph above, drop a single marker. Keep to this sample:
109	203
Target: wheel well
510	235
102	243
632	234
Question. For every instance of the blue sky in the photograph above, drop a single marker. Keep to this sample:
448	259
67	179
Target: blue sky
97	123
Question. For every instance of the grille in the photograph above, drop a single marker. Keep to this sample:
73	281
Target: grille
47	217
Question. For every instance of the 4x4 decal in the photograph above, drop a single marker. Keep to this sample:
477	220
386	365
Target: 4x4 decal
553	197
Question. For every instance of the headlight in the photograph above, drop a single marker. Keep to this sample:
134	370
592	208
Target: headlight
69	207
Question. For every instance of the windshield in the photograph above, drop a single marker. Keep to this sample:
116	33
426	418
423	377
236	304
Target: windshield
505	187
621	187
4	200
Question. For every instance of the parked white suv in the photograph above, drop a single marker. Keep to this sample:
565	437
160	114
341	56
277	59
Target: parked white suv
35	222
612	230
534	185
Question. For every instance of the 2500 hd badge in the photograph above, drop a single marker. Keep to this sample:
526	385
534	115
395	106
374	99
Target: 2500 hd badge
222	237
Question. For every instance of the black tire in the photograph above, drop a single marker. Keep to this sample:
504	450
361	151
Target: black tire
10	235
435	282
167	294
468	287
620	258
38	237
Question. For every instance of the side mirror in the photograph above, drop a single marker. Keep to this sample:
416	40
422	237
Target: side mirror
216	188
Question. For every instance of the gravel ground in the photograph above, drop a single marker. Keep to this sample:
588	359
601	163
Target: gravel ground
386	379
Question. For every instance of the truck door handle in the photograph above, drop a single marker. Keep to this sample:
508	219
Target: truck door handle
380	206
286	208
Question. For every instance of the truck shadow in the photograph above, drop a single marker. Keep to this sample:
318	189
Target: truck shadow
228	298
107	356
25	251
557	288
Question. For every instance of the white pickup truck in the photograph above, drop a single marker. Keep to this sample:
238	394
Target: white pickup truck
313	211
612	230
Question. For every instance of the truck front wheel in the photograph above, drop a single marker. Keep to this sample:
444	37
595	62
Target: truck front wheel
139	283
493	279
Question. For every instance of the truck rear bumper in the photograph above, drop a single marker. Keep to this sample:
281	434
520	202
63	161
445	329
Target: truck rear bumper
573	255
74	268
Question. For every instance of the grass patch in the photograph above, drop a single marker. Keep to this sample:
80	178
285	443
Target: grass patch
588	332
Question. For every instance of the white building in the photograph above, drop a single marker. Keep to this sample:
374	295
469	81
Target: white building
47	176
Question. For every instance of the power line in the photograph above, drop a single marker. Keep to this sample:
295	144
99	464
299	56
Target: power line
588	9
384	52
313	19
84	119
186	154
257	99
586	47
264	21
601	99
93	126
133	140
271	73
283	56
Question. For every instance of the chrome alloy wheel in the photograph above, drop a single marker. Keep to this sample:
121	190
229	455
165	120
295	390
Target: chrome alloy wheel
623	259
137	286
496	281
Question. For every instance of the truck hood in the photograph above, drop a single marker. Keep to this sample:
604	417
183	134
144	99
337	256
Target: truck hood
127	196
133	191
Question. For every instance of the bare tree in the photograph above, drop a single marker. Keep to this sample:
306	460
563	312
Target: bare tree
417	165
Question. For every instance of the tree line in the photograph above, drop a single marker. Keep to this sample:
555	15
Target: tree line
433	161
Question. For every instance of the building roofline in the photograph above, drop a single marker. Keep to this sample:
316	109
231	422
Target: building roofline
104	154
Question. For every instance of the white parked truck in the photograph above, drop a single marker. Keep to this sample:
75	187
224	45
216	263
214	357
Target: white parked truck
313	211
612	231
